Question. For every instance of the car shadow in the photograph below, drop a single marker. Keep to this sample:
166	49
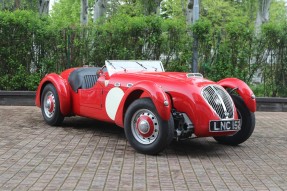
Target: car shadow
86	125
197	147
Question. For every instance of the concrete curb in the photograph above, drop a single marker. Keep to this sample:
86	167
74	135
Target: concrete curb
27	98
17	98
271	104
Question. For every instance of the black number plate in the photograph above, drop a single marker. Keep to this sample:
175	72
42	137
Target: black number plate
222	126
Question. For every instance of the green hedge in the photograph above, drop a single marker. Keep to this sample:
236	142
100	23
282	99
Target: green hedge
32	46
28	50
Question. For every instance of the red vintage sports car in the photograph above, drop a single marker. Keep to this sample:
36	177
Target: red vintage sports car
153	106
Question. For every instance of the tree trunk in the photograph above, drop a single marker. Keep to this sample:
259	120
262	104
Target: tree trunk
84	12
189	12
192	15
157	9
44	7
151	6
99	9
262	14
16	4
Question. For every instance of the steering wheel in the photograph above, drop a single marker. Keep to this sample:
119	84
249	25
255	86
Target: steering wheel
104	68
101	71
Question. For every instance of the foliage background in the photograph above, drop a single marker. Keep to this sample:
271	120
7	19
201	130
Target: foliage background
32	45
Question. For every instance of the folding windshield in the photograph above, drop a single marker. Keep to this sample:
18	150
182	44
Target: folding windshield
114	66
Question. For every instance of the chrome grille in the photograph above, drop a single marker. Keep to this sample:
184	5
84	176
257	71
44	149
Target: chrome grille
219	100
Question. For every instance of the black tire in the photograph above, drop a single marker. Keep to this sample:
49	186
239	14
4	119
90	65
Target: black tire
145	130
50	106
247	124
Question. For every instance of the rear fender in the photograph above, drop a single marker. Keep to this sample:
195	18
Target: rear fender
159	98
242	89
62	88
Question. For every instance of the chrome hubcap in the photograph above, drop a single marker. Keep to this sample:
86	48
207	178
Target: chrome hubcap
145	127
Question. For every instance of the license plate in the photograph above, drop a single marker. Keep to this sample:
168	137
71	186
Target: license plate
222	126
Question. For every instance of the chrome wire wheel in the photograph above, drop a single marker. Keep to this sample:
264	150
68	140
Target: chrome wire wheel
49	104
145	126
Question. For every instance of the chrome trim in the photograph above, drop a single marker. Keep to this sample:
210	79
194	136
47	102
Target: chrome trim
165	103
190	75
129	85
117	84
219	100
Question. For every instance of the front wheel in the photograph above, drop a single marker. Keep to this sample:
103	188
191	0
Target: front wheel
247	124
145	130
50	106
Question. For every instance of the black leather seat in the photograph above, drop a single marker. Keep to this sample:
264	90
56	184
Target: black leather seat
83	78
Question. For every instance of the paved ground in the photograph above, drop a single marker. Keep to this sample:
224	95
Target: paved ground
88	155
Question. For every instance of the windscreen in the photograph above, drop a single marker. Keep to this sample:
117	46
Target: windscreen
114	66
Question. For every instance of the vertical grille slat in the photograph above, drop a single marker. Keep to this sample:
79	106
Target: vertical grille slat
219	100
90	80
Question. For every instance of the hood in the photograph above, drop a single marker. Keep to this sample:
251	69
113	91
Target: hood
165	79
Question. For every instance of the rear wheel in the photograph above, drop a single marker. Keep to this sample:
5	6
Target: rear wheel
247	124
50	106
145	130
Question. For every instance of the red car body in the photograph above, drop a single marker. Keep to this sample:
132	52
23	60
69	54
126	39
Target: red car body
106	95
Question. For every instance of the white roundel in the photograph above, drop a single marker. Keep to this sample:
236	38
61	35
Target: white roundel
113	101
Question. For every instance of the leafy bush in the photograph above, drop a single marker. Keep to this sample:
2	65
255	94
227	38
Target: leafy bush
32	46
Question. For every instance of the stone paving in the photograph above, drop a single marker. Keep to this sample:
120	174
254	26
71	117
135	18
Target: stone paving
84	154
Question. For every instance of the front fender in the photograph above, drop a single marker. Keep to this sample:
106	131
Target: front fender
155	92
62	88
242	89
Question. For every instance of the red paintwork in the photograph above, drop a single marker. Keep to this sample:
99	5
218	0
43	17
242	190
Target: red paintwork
180	92
63	89
242	89
153	91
